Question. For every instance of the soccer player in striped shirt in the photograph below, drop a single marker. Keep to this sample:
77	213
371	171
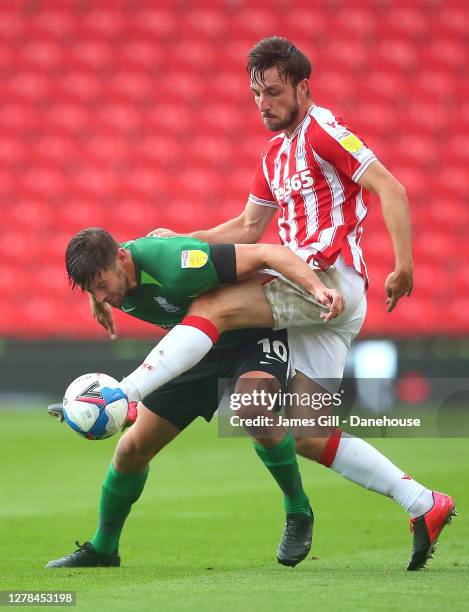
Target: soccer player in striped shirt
316	174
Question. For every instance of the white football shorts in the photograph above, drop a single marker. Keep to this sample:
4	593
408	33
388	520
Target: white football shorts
318	349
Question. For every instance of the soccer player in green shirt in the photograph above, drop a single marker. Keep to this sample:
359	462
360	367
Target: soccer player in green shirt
159	280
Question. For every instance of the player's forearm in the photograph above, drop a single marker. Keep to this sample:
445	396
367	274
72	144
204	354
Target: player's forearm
235	230
396	214
282	260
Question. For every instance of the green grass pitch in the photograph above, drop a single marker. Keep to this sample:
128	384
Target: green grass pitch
204	534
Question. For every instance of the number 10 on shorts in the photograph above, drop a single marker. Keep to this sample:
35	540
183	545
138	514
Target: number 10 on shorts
277	346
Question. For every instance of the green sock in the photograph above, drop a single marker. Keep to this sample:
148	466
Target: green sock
118	494
282	464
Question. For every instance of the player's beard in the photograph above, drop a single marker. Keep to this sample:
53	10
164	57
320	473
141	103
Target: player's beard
282	124
124	287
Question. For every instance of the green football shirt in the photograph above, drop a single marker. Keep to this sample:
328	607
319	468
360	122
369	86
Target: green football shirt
171	272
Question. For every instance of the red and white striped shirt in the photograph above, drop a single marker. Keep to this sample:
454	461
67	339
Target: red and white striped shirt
312	178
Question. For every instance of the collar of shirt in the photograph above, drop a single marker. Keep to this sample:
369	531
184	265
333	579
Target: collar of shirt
299	126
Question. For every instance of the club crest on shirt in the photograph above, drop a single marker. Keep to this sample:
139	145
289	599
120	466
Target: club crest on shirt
351	143
193	259
300	151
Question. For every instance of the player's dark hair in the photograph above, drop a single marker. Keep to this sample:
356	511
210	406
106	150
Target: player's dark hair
292	63
88	253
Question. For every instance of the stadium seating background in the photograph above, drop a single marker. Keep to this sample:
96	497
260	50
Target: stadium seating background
136	114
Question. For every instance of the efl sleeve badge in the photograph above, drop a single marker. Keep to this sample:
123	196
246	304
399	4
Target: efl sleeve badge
351	143
193	259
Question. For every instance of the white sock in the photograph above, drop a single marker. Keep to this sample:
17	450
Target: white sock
363	464
180	350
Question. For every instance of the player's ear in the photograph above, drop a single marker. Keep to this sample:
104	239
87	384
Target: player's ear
122	255
303	89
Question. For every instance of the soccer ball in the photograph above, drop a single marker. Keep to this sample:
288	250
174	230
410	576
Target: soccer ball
86	411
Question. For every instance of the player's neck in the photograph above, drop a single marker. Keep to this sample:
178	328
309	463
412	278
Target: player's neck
131	271
303	111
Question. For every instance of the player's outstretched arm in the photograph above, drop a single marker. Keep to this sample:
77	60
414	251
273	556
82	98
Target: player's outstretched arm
253	257
395	209
247	228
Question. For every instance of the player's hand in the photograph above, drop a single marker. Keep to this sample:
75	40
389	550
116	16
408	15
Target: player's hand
102	312
333	300
162	232
398	284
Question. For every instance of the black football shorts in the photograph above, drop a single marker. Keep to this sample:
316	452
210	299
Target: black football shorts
195	393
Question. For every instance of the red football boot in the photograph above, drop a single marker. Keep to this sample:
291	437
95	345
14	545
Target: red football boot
427	528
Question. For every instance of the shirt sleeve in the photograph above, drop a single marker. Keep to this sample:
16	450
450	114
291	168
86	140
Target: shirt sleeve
261	193
335	143
224	260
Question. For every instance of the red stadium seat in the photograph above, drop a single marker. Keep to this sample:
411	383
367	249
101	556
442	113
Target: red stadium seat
76	213
80	85
443	211
429	279
219	118
163	150
12	25
333	89
358	22
121	117
433	83
416	150
145	54
407	22
208	22
43	55
453	316
424	116
16	117
255	22
455	149
375	118
30	86
133	87
13	151
71	118
107	22
92	54
445	53
436	245
158	22
305	21
450	21
395	53
56	22
196	55
450	181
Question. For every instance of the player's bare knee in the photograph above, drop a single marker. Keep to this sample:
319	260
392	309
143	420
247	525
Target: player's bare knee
131	455
211	306
311	448
258	392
